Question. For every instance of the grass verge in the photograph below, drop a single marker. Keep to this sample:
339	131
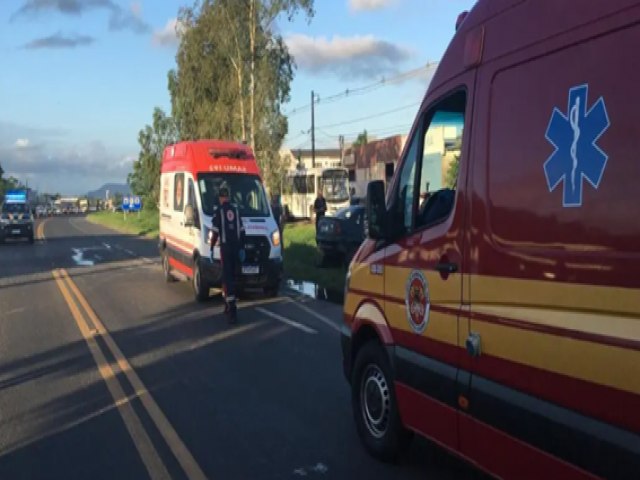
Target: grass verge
146	223
302	257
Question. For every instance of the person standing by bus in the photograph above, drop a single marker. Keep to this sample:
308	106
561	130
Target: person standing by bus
319	207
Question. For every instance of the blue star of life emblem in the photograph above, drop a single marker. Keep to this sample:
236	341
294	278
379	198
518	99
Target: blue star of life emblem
574	136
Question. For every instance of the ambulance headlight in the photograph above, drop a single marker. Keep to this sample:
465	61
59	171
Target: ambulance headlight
275	238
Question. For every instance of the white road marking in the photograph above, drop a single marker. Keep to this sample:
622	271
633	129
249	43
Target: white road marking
317	315
320	468
286	320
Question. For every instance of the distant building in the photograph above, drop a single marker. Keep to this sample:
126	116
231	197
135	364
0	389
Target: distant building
302	159
376	160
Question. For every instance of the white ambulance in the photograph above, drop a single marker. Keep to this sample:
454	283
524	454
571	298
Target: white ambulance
192	173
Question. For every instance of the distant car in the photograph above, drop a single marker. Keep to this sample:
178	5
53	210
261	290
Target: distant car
16	221
340	236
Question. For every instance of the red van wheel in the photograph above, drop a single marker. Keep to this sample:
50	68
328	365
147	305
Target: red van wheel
375	408
200	286
166	268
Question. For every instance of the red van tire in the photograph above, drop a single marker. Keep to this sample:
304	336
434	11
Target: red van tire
200	286
375	408
166	268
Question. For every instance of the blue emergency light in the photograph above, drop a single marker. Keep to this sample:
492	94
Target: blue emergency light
15	196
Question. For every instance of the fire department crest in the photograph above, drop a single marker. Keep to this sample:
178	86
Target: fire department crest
230	215
417	301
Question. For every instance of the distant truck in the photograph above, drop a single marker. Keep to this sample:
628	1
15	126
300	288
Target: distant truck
16	220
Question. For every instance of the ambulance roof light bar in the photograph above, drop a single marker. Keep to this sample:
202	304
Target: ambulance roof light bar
232	153
15	197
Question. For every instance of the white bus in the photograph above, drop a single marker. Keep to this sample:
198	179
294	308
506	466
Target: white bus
300	189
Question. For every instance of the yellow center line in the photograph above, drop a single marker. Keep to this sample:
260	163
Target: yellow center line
175	443
40	230
149	455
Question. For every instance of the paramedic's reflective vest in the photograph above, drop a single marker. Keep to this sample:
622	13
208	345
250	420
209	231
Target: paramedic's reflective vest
227	226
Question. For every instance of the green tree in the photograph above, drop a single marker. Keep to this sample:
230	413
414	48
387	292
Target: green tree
145	178
451	177
234	73
361	140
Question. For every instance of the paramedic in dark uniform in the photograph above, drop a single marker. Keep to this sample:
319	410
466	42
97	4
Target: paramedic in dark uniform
226	226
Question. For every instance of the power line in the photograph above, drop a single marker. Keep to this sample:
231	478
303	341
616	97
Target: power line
303	144
374	131
381	114
365	89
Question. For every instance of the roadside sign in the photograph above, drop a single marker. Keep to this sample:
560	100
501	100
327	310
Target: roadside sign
126	204
135	204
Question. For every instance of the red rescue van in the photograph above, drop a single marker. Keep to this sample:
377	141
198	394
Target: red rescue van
495	307
191	175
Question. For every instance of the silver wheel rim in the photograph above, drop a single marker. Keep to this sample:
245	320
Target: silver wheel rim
375	401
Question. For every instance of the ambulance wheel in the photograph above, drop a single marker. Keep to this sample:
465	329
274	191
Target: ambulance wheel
166	268
375	407
200	286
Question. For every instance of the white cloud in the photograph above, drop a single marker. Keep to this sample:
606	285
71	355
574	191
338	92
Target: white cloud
169	35
368	5
22	143
358	56
120	19
66	168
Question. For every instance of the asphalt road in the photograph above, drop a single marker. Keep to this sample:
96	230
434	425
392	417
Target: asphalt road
108	372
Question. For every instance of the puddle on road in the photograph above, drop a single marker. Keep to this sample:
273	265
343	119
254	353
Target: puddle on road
316	291
78	257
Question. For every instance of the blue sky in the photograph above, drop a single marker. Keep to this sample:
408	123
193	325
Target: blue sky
81	77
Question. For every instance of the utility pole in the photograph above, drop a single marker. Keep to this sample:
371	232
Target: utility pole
313	131
341	142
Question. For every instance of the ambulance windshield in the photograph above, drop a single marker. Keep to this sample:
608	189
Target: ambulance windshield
15	208
246	192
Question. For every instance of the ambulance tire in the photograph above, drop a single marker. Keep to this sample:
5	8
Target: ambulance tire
199	284
166	268
375	407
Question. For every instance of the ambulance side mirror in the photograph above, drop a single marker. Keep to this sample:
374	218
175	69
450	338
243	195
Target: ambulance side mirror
189	216
376	211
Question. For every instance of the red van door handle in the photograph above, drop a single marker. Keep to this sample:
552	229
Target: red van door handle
446	267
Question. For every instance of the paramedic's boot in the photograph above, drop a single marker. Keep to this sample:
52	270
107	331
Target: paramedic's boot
232	314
